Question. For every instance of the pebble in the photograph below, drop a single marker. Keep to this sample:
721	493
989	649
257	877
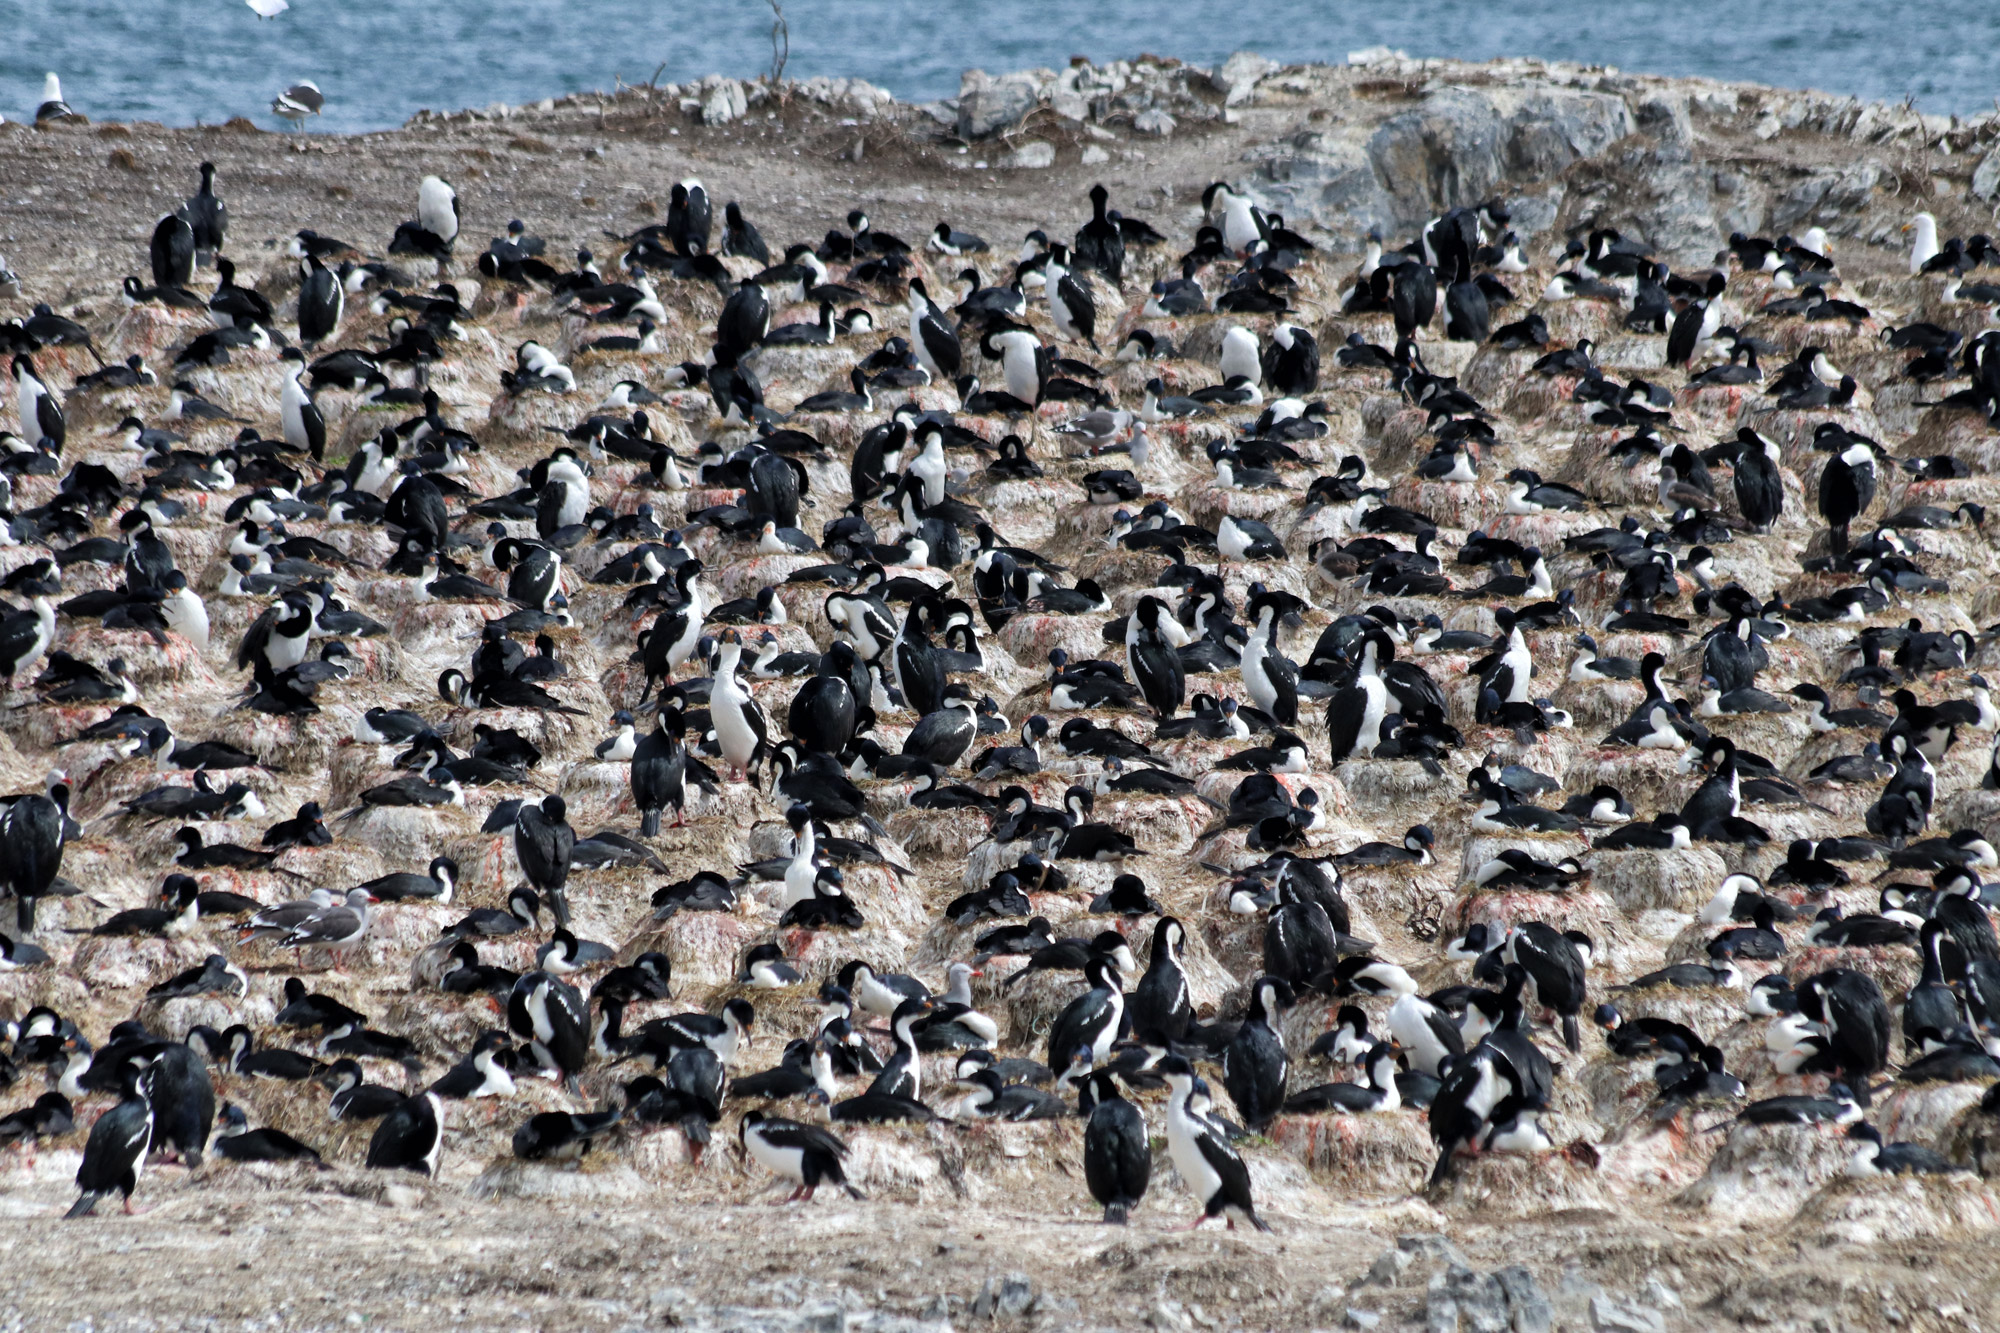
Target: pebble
1609	1315
1462	1301
1388	1267
1430	1245
1528	1306
1009	1297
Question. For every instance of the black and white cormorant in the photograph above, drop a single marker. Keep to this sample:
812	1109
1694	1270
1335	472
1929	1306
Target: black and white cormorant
1201	1153
661	770
1161	1006
1846	489
1850	1006
410	1137
1555	970
1379	1094
549	1014
114	1156
1092	1020
804	1154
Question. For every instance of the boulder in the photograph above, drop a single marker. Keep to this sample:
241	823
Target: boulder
1238	76
1459	1300
1986	177
722	100
1679	222
1459	144
987	105
1822	195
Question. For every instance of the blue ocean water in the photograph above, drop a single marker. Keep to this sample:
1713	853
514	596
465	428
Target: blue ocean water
378	61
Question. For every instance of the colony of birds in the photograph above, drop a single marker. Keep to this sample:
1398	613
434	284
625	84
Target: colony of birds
1004	681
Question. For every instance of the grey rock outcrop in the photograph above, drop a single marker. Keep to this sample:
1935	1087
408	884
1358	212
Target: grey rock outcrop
1153	97
1823	195
1453	149
1614	1316
1678	222
1033	155
1460	1300
1986	177
1526	1304
1675	216
1239	75
1009	1297
722	100
1596	149
987	105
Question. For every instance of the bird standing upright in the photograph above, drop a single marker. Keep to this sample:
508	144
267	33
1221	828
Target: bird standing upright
1846	489
33	830
660	773
543	842
115	1154
1117	1159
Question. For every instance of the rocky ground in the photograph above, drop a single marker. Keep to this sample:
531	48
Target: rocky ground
1630	1228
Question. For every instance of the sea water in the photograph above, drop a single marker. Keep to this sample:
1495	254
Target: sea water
378	61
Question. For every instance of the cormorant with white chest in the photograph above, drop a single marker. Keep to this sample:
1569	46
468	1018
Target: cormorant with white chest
114	1157
1202	1155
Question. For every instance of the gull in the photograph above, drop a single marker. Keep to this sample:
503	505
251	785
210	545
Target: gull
297	102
